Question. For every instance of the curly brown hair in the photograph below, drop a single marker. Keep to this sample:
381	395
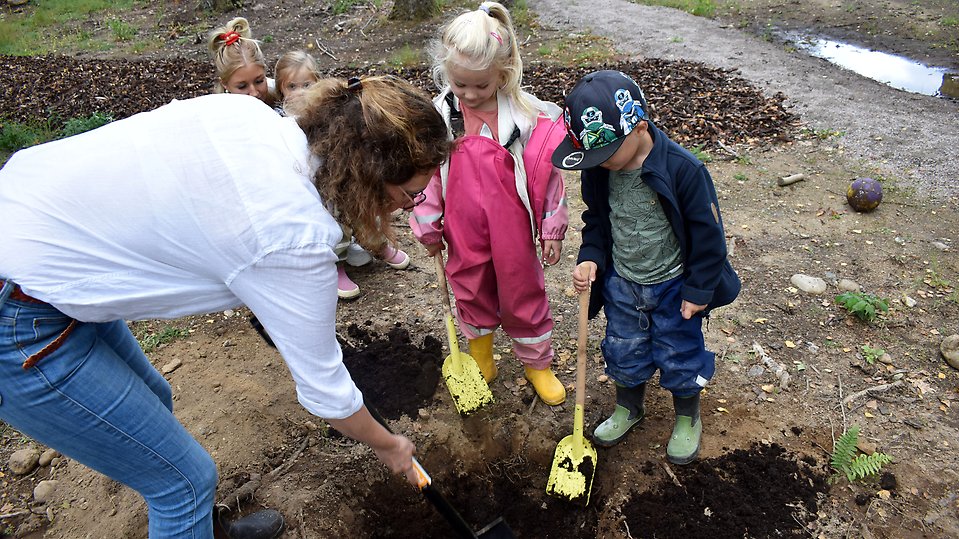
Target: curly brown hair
382	130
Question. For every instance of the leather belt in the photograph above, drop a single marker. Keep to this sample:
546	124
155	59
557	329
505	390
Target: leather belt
18	295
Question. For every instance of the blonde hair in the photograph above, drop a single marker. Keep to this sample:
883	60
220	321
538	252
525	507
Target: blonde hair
290	63
481	39
231	52
369	133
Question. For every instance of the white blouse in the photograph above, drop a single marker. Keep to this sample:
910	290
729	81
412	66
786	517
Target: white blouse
195	207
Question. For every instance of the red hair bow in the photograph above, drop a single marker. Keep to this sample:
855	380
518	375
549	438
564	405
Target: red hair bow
230	38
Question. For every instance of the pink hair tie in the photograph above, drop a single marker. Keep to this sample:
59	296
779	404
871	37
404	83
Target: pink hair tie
496	37
230	38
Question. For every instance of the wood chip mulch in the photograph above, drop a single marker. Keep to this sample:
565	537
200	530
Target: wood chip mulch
695	104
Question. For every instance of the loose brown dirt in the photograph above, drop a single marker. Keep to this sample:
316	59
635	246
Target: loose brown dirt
765	457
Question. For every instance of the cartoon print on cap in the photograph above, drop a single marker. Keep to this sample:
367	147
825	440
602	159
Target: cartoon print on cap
595	133
631	112
569	130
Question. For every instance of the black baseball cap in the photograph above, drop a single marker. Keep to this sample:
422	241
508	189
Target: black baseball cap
601	110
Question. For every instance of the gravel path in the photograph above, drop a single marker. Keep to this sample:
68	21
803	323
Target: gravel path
903	135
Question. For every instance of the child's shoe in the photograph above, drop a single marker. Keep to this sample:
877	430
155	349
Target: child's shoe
481	348
547	386
683	445
357	256
345	287
628	413
394	257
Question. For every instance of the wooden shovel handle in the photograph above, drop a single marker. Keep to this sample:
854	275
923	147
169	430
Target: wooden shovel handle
441	278
581	365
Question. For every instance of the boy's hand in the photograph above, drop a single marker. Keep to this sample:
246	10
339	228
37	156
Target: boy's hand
551	251
689	309
434	248
583	275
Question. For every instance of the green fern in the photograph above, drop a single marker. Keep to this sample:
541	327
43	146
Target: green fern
855	467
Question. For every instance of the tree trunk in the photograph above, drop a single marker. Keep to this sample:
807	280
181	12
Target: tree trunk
414	10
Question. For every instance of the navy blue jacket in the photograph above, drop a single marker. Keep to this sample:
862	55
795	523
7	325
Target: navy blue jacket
688	197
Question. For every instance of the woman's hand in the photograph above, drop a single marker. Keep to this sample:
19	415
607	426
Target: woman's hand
398	457
551	251
583	275
434	248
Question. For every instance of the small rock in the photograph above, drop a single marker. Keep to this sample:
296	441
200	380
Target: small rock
228	313
866	447
424	413
602	378
941	246
23	461
754	371
171	366
909	301
950	350
45	490
47	457
848	285
808	284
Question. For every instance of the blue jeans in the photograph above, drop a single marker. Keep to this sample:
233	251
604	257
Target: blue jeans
98	400
645	331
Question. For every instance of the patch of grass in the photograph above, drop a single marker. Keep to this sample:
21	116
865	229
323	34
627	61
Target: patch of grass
700	153
342	6
580	50
949	21
740	177
75	126
29	32
405	56
676	39
15	136
520	13
700	8
122	31
150	341
267	38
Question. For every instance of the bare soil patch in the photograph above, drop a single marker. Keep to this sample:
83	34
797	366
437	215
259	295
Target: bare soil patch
766	447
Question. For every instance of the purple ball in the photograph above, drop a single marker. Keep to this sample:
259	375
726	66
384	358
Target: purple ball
864	194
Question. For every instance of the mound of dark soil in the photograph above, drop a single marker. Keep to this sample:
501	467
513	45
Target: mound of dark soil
695	104
760	492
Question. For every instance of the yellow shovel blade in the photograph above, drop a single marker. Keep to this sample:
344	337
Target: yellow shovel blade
574	465
463	378
467	386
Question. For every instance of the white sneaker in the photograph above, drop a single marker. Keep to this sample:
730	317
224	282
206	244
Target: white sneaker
357	256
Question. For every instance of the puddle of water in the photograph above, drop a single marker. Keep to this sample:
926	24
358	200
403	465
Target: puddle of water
889	69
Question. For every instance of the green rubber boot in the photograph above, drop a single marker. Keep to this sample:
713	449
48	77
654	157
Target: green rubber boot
683	445
628	413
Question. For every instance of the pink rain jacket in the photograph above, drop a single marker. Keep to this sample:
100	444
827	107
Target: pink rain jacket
489	219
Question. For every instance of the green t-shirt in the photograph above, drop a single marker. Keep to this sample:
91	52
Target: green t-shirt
645	249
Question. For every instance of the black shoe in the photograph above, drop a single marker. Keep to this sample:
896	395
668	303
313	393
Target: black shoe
266	524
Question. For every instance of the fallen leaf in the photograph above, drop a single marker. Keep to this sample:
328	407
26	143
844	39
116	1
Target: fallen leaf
790	344
768	388
760	321
867	414
723	410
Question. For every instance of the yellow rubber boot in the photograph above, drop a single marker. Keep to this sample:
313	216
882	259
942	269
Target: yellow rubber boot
481	349
547	386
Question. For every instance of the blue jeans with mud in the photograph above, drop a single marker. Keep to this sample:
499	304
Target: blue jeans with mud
645	331
98	400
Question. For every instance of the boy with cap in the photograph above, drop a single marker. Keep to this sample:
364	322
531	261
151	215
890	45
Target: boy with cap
655	249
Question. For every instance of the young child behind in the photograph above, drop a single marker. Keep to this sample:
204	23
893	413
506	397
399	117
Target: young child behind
296	71
495	195
239	62
653	249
